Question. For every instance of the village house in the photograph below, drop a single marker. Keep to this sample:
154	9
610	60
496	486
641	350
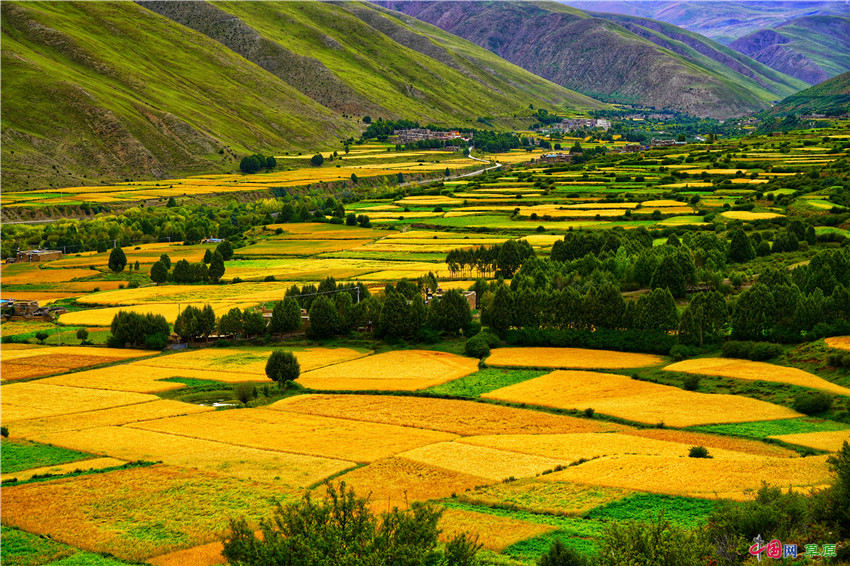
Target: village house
38	255
556	158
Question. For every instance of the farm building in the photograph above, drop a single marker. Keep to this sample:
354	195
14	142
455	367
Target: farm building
38	255
468	295
556	158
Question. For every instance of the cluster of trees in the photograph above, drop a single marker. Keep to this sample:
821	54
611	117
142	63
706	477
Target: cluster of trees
381	129
210	268
253	163
138	330
496	142
503	259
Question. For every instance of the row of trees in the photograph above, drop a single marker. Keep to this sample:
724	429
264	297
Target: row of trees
253	163
503	259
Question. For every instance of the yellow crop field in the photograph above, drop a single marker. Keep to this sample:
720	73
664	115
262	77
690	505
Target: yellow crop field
570	358
205	554
50	363
238	293
283	469
249	362
72	351
327	232
149	411
396	482
635	400
832	440
490	463
35	400
712	441
34	275
756	371
117	512
697	477
447	415
103	317
10	346
135	377
838	342
494	532
549	497
343	439
400	369
271	247
746	215
589	445
84	465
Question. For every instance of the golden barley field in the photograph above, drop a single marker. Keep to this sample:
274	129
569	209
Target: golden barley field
578	358
134	377
838	342
103	317
746	215
148	411
712	441
343	439
236	293
573	447
490	463
79	465
283	469
123	513
494	532
697	477
831	440
397	482
202	555
247	364
397	370
34	400
457	417
639	401
756	371
548	497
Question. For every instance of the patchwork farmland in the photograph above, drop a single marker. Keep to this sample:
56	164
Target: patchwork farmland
549	423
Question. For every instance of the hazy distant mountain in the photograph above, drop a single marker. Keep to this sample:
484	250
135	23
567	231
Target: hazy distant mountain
614	58
812	48
721	20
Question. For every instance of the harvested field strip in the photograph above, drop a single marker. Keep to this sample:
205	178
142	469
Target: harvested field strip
396	482
60	469
73	351
573	447
425	366
697	477
578	358
634	400
274	246
457	417
302	434
103	317
34	400
476	460
832	441
129	377
149	411
744	215
535	496
277	468
756	371
203	555
135	513
494	532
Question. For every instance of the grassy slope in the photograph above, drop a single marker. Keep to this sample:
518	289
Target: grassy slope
402	80
831	95
117	90
829	50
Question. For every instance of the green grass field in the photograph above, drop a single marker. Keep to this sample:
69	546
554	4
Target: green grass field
17	456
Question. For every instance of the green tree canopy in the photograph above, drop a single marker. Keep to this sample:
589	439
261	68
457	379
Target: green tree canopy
216	269
282	366
159	273
117	260
286	316
317	159
324	318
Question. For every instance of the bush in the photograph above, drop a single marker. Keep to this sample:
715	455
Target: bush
756	351
282	367
82	335
656	541
691	382
4	432
812	403
41	336
698	452
244	392
589	412
477	347
560	554
681	351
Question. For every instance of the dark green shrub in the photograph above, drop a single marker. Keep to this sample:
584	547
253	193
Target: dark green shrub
244	392
477	347
589	412
698	452
41	336
282	367
691	382
681	351
812	403
560	554
4	432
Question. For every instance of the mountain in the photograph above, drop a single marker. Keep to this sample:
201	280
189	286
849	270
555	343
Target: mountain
615	58
103	91
812	48
721	20
831	97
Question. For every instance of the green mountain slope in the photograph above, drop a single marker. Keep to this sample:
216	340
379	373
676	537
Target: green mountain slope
831	97
102	91
812	48
614	58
